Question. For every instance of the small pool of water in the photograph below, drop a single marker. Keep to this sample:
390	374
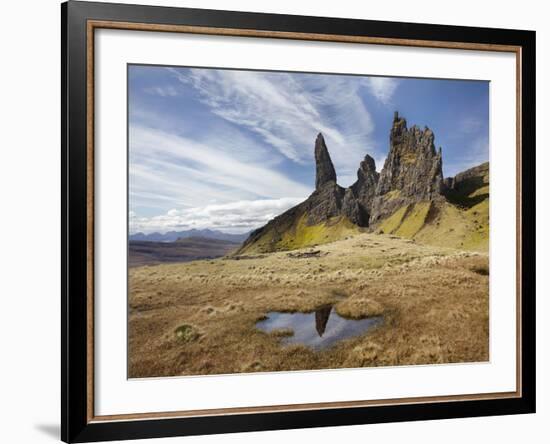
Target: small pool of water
319	329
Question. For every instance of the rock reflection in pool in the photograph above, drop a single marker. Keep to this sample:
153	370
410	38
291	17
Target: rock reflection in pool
319	329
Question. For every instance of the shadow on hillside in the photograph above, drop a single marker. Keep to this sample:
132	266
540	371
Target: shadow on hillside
460	195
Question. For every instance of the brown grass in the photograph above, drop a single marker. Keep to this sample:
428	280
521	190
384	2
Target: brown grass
359	306
434	302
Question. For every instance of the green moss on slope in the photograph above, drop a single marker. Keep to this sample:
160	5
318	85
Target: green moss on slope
442	224
462	221
414	220
393	222
478	215
302	235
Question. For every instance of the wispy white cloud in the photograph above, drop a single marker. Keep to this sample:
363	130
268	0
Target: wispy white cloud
245	158
382	88
239	216
166	169
287	111
163	91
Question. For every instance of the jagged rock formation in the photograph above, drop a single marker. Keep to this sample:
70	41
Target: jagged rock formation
324	172
408	193
322	206
324	203
472	178
352	210
412	171
367	178
361	194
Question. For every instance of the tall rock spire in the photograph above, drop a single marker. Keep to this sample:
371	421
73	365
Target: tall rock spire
324	169
412	171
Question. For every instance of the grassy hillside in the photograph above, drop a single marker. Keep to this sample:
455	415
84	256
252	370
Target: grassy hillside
466	229
461	221
302	235
442	223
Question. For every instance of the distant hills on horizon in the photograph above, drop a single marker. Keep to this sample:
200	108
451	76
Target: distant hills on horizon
183	250
172	236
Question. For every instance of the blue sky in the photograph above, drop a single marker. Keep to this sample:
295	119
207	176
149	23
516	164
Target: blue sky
230	149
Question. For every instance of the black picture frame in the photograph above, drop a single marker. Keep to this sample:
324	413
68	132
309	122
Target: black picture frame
76	423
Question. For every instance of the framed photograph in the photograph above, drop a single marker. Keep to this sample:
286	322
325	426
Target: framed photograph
275	221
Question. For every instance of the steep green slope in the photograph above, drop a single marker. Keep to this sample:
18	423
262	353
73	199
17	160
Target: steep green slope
442	224
461	221
301	235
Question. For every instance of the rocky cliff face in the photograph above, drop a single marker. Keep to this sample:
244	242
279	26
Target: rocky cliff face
361	194
472	178
331	200
324	204
412	171
324	169
469	187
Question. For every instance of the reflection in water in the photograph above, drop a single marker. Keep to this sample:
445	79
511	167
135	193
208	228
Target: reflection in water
319	329
321	319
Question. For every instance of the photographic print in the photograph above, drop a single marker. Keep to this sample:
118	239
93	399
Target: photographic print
346	205
283	221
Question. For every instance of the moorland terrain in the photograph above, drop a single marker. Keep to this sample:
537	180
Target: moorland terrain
405	245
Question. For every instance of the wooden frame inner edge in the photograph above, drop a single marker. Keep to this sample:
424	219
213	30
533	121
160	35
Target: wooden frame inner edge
90	28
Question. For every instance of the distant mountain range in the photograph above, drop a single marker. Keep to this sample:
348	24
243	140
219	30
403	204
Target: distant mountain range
172	236
183	250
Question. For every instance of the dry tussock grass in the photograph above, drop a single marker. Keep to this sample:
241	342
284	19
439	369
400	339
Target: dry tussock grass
434	302
358	306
